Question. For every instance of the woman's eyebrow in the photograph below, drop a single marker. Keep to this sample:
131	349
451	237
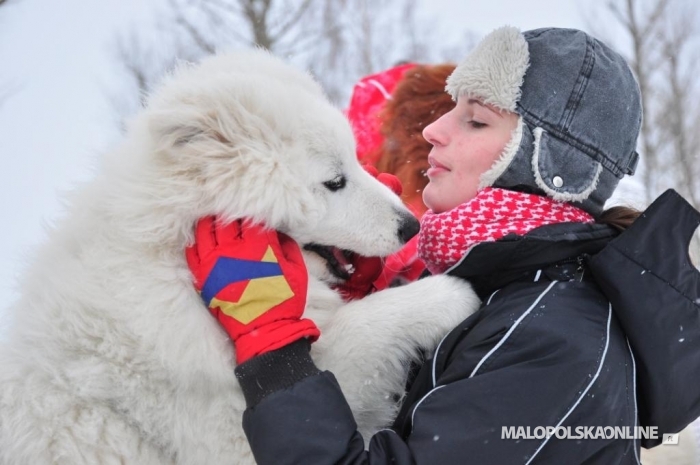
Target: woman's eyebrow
481	104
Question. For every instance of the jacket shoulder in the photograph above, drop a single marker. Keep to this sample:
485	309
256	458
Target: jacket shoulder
655	294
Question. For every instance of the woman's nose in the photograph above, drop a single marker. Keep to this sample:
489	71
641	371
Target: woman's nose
429	133
433	132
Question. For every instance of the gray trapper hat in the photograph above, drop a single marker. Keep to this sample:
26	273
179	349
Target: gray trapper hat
579	107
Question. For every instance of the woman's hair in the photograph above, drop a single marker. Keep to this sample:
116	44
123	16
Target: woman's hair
418	100
619	217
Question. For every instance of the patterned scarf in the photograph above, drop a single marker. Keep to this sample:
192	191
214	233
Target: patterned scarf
446	237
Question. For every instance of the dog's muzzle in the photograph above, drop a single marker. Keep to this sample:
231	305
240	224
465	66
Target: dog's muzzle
408	227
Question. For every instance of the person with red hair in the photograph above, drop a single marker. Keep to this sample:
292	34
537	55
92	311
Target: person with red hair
388	112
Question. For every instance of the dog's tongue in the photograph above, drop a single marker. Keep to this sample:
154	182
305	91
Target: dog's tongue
340	256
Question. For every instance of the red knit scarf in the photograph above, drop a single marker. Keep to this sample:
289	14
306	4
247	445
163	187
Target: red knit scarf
446	237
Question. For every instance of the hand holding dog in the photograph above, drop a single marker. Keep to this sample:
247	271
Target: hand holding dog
254	281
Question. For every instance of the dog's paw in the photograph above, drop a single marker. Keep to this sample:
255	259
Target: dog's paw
445	293
436	305
417	314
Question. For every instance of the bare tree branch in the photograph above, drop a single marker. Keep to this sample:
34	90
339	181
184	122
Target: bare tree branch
655	17
293	21
226	6
197	38
221	14
129	51
676	40
337	40
623	18
639	33
256	12
660	33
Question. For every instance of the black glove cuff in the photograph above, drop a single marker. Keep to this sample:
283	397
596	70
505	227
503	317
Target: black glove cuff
276	370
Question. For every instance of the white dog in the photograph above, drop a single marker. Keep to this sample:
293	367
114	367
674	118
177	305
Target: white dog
112	358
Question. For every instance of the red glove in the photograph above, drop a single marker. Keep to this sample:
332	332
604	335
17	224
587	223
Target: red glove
254	282
405	266
367	269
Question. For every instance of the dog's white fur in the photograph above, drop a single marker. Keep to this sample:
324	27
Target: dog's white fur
112	357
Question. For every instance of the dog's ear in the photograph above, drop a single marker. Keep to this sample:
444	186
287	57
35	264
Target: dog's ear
178	128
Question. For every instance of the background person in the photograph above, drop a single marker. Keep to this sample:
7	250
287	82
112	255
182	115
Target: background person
388	112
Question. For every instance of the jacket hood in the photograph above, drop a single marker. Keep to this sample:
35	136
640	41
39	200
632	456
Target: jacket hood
654	289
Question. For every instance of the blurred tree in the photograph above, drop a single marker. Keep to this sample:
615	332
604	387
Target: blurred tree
642	25
663	39
678	118
5	91
338	41
188	30
363	37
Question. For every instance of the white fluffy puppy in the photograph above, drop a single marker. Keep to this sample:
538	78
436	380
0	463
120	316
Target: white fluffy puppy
112	358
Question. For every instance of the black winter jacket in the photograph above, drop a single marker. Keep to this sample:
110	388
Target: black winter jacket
579	328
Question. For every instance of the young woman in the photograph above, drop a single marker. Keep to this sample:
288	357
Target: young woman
584	330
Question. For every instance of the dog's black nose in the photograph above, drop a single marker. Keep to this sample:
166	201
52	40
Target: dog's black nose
408	227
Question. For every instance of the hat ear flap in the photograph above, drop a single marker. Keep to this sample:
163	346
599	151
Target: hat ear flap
563	172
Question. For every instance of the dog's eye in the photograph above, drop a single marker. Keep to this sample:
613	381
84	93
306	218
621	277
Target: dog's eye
335	184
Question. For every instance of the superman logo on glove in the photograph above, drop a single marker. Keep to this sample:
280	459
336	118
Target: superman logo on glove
254	282
246	288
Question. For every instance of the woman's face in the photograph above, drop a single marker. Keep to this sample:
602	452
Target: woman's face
466	142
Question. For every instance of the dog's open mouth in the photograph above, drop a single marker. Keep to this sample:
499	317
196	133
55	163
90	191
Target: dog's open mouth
338	261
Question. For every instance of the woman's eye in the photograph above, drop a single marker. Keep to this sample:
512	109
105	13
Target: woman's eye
335	184
477	124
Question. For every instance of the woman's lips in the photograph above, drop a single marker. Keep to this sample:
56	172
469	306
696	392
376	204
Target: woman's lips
432	172
436	168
